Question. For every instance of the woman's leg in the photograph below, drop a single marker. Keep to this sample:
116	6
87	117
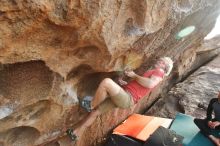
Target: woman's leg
215	140
202	124
86	122
106	88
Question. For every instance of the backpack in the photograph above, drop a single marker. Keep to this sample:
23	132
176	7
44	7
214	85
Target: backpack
122	140
164	137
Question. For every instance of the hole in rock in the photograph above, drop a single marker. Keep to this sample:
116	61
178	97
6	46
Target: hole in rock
25	81
21	136
37	110
57	36
87	52
79	71
32	112
88	84
131	29
53	144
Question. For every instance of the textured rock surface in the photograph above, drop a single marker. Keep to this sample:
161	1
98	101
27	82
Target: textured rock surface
53	52
187	97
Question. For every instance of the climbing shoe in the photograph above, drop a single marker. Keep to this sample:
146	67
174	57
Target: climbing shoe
86	103
71	134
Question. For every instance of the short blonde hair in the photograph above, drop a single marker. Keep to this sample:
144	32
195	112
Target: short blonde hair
168	64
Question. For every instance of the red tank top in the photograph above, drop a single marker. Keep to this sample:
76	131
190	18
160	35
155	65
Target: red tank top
138	91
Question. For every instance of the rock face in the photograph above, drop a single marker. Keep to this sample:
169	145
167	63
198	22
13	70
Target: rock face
54	52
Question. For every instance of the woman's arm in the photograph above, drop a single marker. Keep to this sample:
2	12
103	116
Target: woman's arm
210	109
149	82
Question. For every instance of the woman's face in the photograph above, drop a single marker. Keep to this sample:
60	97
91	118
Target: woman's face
160	64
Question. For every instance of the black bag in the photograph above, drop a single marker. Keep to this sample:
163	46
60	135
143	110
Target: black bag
164	137
121	140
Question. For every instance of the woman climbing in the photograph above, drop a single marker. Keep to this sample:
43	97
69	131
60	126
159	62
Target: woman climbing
110	94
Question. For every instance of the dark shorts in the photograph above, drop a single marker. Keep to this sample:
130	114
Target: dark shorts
122	100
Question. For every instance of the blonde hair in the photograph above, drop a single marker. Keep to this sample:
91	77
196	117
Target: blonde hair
168	64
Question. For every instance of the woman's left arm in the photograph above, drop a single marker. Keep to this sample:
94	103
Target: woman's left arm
148	82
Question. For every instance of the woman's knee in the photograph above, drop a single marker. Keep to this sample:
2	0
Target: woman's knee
110	86
198	121
107	82
195	120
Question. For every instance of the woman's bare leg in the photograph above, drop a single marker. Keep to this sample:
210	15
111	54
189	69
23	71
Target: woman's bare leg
215	140
86	122
106	87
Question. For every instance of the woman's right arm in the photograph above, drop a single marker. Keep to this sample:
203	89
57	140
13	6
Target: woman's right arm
210	109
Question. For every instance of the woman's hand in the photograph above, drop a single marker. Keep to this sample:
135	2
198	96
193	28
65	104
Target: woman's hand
216	123
130	73
122	82
212	125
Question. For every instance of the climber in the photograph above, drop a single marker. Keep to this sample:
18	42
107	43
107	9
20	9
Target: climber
210	126
109	93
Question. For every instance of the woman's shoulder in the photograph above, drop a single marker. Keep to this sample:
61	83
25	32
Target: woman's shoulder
213	100
155	72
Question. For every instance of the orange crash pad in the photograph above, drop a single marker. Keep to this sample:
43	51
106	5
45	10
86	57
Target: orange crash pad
141	126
